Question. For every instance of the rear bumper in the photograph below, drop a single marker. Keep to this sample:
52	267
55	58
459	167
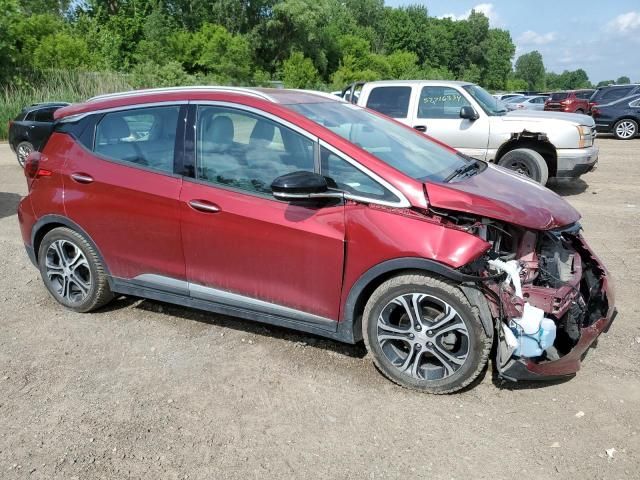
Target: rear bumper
569	364
573	162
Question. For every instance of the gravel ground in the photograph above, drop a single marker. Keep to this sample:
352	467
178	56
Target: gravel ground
143	389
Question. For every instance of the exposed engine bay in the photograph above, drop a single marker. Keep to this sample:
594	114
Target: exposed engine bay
544	287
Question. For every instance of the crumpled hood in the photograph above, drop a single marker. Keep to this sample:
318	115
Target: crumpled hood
504	195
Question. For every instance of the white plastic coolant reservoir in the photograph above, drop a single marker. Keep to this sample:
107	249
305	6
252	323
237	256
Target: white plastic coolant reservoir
534	332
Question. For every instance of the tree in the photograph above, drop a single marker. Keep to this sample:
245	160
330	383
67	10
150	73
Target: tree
299	72
62	51
499	50
624	80
8	37
225	56
530	68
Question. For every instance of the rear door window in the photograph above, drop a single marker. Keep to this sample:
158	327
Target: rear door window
144	136
441	102
390	101
556	97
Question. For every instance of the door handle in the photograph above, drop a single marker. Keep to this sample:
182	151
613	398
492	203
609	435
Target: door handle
204	206
82	177
421	128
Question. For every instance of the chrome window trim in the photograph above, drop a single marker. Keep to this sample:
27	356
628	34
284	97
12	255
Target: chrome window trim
402	200
255	111
80	116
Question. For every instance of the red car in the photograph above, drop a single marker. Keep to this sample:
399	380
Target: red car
300	210
573	101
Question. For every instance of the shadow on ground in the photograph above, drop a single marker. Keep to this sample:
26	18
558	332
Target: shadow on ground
8	204
238	324
568	188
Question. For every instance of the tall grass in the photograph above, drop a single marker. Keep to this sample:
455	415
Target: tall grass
55	85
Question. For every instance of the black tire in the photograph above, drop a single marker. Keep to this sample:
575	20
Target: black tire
625	129
579	111
81	286
526	162
22	152
437	292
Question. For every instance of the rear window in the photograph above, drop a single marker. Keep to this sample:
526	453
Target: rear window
559	96
391	101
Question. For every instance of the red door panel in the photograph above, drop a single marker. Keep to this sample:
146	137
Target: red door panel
273	251
130	213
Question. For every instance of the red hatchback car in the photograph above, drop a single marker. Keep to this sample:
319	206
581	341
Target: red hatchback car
573	101
300	210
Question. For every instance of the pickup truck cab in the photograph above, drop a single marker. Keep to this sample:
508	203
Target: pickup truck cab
540	145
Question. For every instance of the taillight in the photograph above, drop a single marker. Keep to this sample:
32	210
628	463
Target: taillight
32	164
595	112
32	167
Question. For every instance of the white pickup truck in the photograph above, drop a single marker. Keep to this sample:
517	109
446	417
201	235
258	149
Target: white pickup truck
539	145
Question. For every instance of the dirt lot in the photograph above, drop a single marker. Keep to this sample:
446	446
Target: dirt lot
147	390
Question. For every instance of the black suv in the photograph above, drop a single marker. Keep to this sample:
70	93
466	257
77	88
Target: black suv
612	93
31	127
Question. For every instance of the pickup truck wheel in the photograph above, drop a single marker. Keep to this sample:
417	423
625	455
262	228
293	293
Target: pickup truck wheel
527	162
22	152
625	129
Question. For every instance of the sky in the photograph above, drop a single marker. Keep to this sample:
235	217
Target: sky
600	36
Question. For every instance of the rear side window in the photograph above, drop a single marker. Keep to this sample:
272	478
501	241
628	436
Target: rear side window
44	114
390	101
559	96
144	136
440	102
615	94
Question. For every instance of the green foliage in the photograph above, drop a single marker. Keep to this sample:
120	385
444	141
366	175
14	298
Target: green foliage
299	72
56	85
530	68
61	50
604	83
224	56
568	80
624	80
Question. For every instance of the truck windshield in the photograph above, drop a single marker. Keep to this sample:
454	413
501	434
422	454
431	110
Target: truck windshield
404	149
491	105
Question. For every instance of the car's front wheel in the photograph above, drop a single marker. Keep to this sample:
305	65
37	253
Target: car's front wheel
526	162
625	129
22	152
423	334
72	270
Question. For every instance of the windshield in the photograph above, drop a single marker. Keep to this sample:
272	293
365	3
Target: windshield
410	152
559	96
492	106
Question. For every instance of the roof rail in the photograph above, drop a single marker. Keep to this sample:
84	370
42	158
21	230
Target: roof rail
206	88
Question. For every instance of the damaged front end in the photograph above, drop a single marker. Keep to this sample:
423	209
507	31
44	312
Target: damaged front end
548	293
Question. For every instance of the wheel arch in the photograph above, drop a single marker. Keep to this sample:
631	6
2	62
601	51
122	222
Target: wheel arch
361	290
49	222
538	142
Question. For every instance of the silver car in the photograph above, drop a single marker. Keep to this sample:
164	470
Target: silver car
532	102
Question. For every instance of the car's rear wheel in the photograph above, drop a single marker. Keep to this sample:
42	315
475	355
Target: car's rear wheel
625	129
22	152
423	334
72	270
580	111
526	162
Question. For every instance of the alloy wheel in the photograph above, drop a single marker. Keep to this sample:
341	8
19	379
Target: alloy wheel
68	271
23	152
625	129
423	336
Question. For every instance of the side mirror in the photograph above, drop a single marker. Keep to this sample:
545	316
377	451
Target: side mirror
302	186
468	113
